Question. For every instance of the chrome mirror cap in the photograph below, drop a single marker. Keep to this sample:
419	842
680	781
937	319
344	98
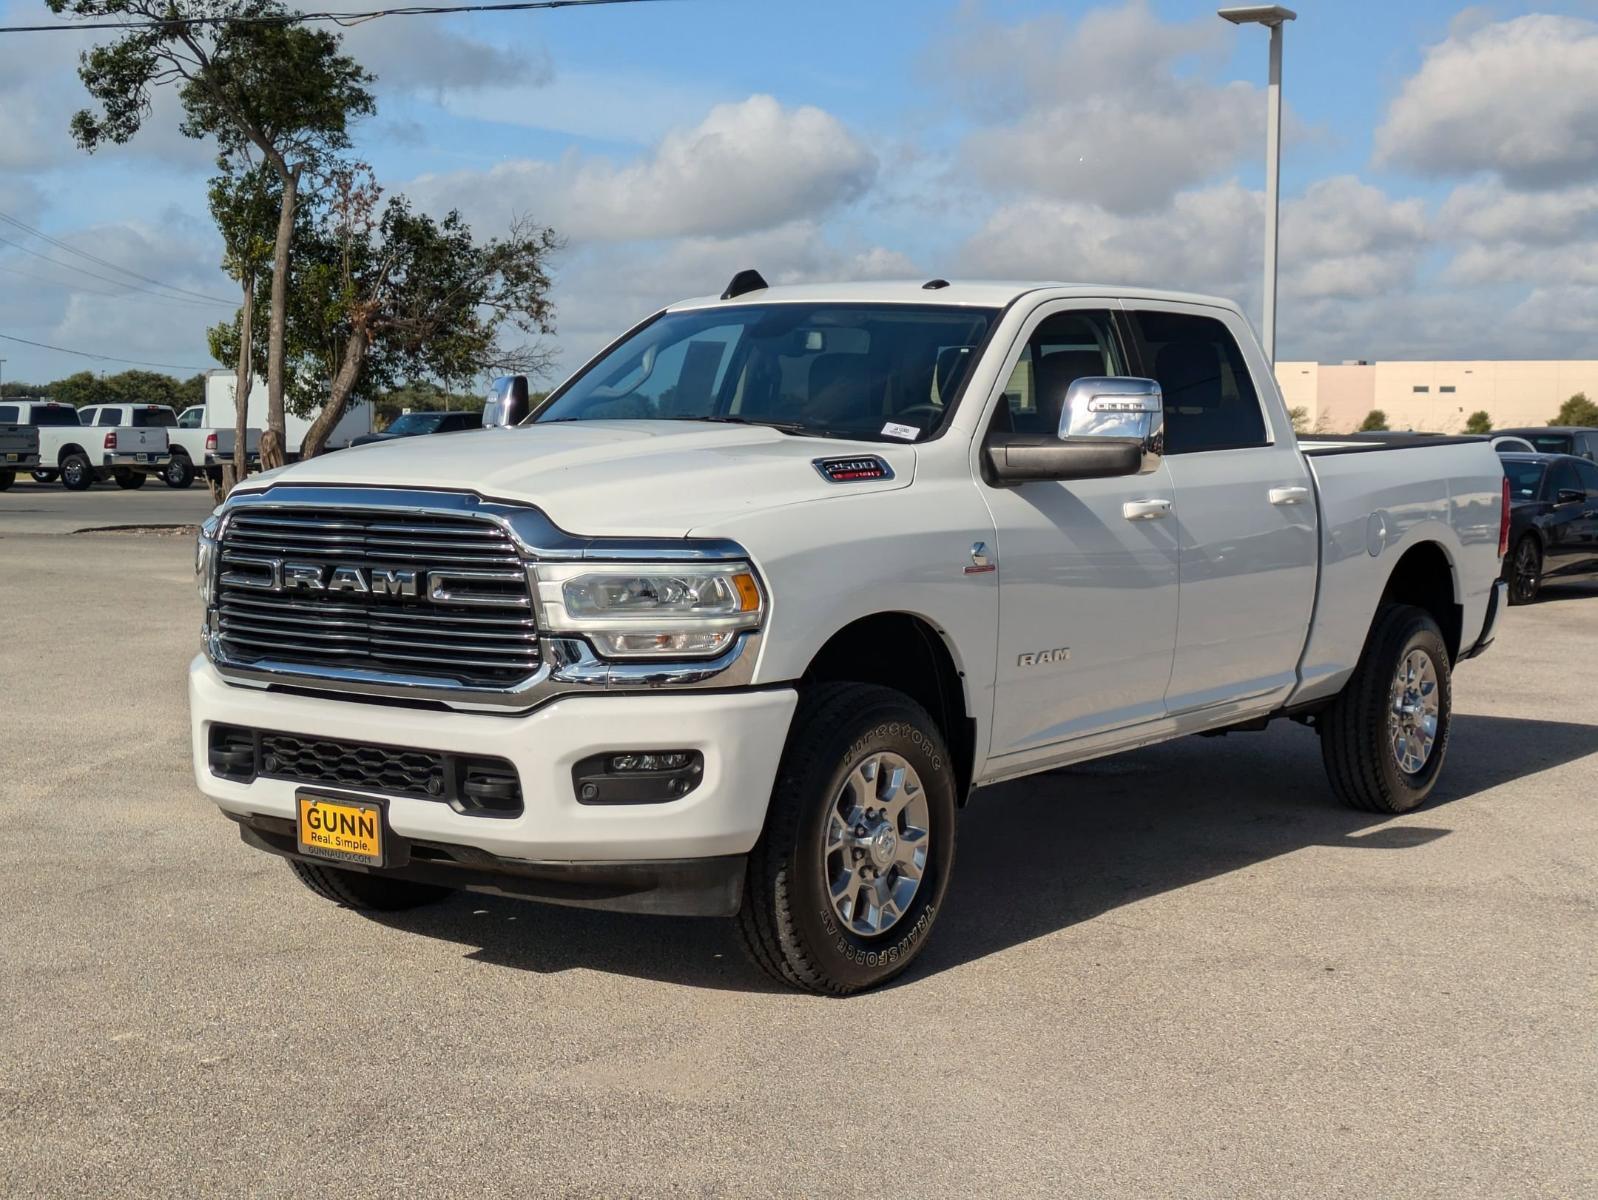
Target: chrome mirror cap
1121	408
506	403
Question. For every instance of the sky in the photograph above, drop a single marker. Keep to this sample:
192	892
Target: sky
1440	165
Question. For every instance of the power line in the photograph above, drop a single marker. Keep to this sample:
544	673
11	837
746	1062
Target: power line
339	18
121	283
95	258
135	362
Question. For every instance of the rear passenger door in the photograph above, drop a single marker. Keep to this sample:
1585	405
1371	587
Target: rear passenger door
1244	509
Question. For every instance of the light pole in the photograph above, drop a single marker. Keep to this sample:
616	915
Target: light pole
1272	16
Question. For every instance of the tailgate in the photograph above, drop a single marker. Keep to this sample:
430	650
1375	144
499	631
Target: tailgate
133	439
18	439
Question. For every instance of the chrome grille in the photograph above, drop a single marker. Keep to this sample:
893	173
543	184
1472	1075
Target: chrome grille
479	633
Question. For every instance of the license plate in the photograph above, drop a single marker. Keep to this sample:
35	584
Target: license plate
146	458
348	830
13	457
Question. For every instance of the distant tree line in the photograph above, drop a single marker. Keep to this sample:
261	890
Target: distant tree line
125	387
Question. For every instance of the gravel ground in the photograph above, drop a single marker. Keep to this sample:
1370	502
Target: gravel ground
1184	972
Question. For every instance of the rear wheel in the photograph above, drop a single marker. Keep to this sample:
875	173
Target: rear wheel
43	476
76	473
358	890
1523	571
7	478
130	481
179	472
1384	738
851	870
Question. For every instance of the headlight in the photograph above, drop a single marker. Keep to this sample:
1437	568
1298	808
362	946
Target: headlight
651	610
205	559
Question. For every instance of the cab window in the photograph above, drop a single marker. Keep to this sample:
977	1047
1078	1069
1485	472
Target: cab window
1066	347
1210	402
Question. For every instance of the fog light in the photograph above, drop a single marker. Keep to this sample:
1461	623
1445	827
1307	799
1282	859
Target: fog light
637	776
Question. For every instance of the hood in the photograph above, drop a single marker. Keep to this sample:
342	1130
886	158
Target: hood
603	478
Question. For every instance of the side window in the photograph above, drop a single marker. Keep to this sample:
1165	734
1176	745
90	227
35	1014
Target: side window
8	414
1066	347
1588	474
1210	402
1562	477
110	416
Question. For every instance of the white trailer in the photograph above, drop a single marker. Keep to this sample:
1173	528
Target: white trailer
221	387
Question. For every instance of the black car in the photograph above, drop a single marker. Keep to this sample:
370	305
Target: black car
1558	439
414	424
1553	520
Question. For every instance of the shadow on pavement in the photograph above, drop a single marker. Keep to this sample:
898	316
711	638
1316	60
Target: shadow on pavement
1041	854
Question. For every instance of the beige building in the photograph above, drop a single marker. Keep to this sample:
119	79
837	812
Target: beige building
1434	396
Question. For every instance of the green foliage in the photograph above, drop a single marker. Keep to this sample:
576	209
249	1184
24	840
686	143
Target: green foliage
1299	416
1578	410
1375	421
127	387
1479	421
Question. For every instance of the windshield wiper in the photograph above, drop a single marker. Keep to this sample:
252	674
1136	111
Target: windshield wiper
798	428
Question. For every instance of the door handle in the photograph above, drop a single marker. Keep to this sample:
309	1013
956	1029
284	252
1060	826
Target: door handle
1289	495
1145	510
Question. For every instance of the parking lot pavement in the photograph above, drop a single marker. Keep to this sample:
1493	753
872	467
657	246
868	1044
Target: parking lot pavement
28	507
1184	972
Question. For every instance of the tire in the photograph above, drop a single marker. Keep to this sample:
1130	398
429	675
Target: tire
789	923
76	473
363	892
1523	570
179	472
7	478
44	476
1361	745
130	481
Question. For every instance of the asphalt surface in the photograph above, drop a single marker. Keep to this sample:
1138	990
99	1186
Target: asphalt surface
1184	972
48	508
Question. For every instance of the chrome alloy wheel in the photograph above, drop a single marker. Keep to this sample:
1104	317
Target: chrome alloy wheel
1413	714
876	844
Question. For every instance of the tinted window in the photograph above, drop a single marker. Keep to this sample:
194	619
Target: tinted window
53	414
411	423
1551	443
109	416
1562	477
1588	474
191	419
1525	479
159	418
1066	347
839	369
8	414
1210	403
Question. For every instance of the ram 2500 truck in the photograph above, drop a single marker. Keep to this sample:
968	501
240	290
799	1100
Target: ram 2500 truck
19	447
741	615
80	447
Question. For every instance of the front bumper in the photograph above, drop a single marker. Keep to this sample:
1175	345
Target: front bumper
740	733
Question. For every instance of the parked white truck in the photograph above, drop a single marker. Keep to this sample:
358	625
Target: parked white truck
192	449
738	619
220	413
79	454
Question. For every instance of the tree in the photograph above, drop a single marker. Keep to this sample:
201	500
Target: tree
1578	410
77	389
1375	421
391	293
268	91
1299	416
1479	421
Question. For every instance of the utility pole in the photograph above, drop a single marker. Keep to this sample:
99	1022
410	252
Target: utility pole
1272	16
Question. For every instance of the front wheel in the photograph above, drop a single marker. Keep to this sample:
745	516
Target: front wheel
178	472
43	476
851	870
358	890
1523	571
1384	738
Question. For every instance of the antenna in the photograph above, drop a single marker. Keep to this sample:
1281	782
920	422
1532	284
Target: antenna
745	281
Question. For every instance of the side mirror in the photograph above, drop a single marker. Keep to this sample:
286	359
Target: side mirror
507	402
1108	427
1570	496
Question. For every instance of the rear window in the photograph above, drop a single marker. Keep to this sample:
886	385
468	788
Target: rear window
1551	443
53	414
158	418
8	414
1524	478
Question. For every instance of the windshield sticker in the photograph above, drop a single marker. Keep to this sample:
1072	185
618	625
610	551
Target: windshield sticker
908	433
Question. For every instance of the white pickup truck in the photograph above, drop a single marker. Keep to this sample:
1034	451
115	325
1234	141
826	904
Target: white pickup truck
19	446
194	448
79	449
738	618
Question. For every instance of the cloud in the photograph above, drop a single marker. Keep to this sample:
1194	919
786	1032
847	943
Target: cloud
1099	111
745	167
1518	98
423	55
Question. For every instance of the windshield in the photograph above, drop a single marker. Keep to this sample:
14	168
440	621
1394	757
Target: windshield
1551	443
416	422
1524	478
871	371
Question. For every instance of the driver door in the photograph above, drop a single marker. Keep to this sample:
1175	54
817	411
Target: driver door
1087	568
